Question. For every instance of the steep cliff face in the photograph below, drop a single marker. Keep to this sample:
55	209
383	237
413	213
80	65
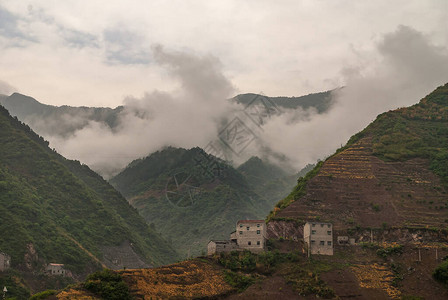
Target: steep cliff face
392	173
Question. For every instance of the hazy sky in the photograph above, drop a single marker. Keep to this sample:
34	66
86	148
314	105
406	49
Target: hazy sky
98	52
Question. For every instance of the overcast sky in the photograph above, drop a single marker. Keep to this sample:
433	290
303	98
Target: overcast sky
98	52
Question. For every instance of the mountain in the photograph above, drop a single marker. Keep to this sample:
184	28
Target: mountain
192	197
49	120
320	101
393	173
59	211
57	120
267	179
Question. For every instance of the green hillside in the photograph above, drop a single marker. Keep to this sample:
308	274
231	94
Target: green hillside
392	172
417	131
209	198
62	209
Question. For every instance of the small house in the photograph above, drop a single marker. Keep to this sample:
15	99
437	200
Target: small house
218	246
319	237
56	269
5	261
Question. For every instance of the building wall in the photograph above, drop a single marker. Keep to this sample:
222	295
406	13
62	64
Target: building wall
56	270
319	237
5	261
251	235
218	247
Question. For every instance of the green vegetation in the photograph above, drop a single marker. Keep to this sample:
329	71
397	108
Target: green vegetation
298	191
108	285
307	282
238	280
207	204
61	209
417	131
15	285
43	295
243	267
441	273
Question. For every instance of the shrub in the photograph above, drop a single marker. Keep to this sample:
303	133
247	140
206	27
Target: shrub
384	252
107	284
43	295
237	280
441	272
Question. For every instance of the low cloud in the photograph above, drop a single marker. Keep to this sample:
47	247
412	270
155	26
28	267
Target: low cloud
404	67
187	117
408	67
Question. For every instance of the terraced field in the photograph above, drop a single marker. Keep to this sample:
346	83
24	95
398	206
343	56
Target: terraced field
354	187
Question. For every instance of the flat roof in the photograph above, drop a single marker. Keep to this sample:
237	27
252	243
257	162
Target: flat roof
220	241
317	222
250	221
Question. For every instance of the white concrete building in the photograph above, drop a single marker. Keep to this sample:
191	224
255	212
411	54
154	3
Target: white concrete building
251	235
318	237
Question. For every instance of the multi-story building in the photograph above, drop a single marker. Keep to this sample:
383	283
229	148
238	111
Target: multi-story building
318	237
249	235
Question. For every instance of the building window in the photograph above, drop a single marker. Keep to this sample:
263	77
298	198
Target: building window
249	243
247	227
321	225
313	225
258	231
313	242
313	231
258	243
241	225
329	232
322	243
258	225
329	243
241	232
329	225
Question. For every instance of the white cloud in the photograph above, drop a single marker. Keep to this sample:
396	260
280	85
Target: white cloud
408	67
284	47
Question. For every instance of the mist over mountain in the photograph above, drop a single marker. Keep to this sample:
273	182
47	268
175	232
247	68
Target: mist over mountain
65	123
196	114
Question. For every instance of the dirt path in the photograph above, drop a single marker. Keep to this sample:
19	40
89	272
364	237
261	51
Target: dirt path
61	231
